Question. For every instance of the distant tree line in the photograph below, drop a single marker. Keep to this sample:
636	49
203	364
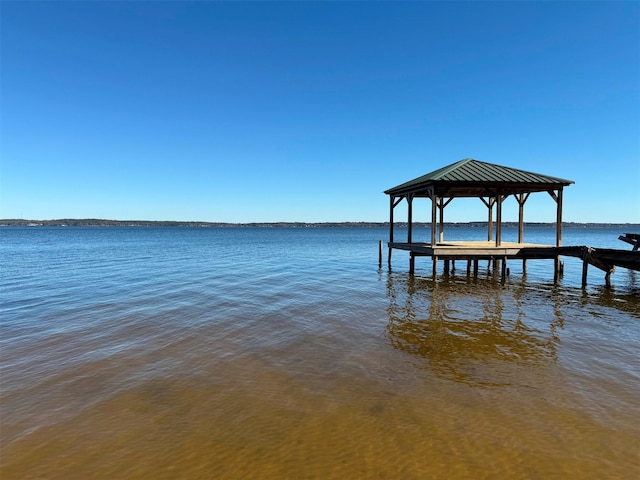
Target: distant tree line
96	222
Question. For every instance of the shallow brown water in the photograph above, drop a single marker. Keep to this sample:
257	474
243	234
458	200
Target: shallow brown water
346	373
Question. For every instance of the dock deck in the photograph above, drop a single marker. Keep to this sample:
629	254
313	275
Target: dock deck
606	259
479	250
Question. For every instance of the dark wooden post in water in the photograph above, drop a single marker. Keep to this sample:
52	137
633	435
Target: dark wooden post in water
504	269
585	270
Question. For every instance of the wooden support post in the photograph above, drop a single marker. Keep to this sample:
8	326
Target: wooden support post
475	267
559	219
521	199
468	267
499	221
489	203
435	266
441	211
441	205
585	269
504	269
453	265
446	266
524	265
558	198
607	278
434	207
412	263
410	218
380	254
490	221
392	204
520	219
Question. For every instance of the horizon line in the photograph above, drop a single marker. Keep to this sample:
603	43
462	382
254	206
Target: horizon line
106	222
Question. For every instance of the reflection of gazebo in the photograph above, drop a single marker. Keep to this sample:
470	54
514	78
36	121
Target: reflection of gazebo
489	342
471	178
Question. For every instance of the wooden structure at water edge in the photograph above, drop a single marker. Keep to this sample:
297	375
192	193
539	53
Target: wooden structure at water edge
492	184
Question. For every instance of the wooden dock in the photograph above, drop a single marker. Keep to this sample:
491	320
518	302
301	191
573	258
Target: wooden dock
632	239
605	259
493	184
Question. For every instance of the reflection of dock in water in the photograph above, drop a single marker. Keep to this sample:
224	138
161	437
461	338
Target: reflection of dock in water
472	335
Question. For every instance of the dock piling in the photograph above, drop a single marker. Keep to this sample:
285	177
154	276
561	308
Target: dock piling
607	278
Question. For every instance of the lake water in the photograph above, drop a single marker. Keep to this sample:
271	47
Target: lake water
188	353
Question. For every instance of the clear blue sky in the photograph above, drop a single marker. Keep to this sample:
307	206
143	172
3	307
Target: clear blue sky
290	111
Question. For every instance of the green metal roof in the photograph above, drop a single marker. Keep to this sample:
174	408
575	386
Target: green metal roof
471	177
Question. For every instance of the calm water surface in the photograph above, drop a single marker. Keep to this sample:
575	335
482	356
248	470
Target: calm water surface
227	353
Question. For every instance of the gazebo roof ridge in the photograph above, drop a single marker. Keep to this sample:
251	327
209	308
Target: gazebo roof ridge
477	174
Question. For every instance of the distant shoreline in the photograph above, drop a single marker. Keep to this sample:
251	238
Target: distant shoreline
93	222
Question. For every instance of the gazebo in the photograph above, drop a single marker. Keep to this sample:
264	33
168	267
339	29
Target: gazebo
470	178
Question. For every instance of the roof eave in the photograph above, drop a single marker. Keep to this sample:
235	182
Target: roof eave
499	187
